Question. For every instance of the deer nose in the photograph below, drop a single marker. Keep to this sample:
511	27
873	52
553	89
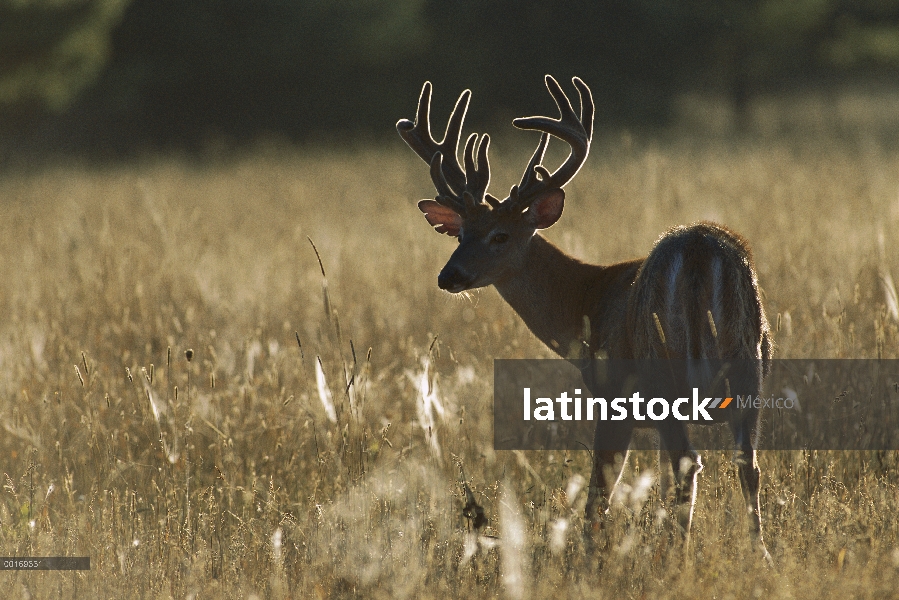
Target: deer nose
452	279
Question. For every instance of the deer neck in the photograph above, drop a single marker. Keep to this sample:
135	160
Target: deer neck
548	293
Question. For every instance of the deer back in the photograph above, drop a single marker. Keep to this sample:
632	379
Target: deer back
696	296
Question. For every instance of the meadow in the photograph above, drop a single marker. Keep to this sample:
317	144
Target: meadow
208	406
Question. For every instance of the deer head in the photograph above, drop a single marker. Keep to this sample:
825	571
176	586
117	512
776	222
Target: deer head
494	235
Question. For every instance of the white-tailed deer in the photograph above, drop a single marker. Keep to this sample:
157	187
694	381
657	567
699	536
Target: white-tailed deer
695	296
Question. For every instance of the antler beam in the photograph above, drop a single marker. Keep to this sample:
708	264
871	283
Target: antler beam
575	130
458	189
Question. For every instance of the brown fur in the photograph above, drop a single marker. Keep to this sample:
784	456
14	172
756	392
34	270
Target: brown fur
743	334
695	296
553	292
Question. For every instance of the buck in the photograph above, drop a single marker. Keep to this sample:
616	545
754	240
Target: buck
694	296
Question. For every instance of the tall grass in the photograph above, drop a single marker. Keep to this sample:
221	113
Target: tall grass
319	440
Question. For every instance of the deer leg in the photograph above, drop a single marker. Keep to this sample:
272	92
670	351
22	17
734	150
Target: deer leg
608	441
687	464
750	475
600	490
665	473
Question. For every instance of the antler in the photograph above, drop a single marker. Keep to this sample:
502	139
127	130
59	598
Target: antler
458	189
576	131
465	190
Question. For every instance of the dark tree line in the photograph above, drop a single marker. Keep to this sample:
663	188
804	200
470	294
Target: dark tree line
118	75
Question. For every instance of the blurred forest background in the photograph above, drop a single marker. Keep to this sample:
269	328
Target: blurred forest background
164	165
110	78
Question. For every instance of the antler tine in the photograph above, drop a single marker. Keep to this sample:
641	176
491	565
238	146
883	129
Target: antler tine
418	136
472	177
576	131
530	172
471	172
450	144
445	195
477	176
587	107
483	166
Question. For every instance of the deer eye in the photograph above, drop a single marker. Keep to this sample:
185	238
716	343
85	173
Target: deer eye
500	238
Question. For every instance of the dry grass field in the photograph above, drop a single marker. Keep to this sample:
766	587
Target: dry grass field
227	476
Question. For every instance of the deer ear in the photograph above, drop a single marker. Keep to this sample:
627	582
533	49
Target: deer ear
445	220
547	209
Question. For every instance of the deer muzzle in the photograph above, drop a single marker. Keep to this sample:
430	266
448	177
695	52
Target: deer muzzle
453	279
